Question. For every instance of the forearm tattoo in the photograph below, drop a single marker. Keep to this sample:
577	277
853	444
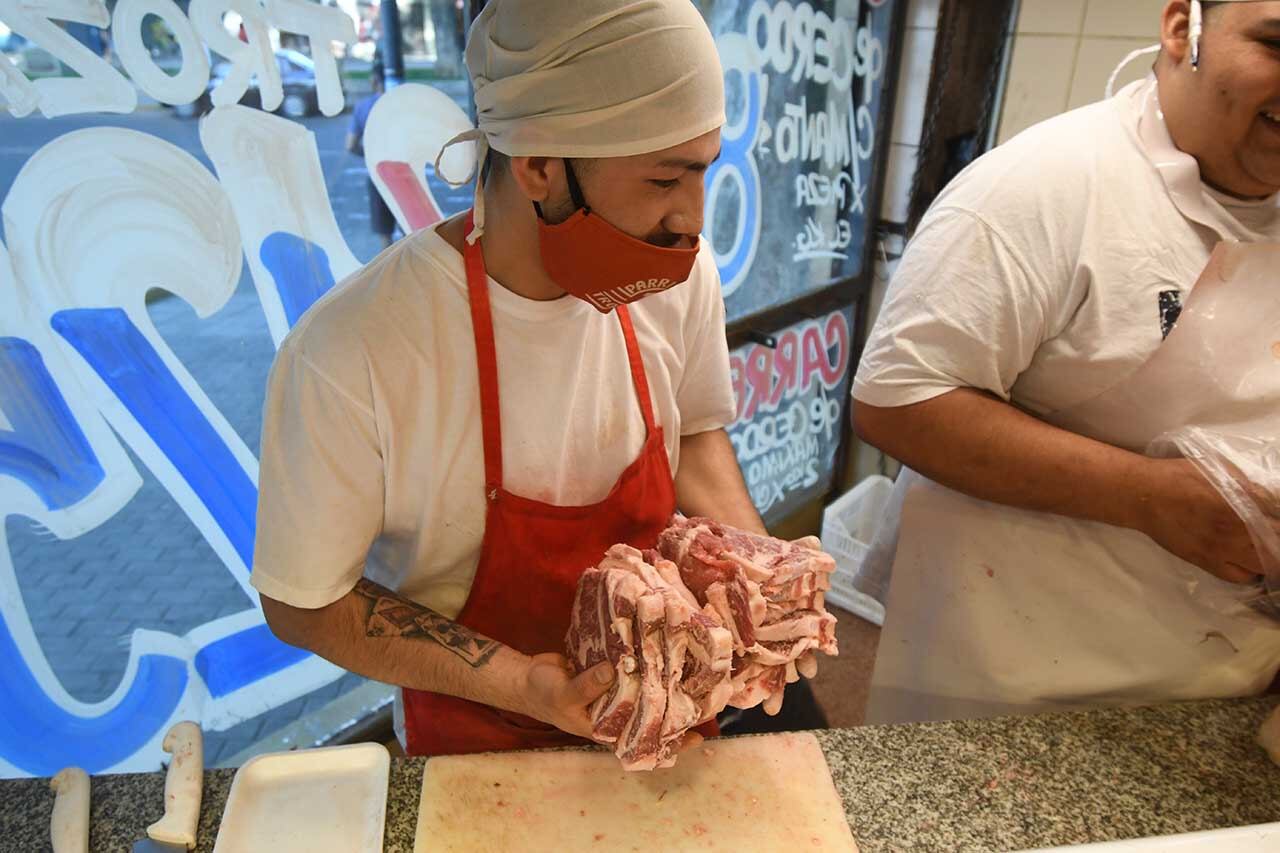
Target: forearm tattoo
392	616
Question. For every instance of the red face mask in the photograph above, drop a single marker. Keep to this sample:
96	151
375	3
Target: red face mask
596	262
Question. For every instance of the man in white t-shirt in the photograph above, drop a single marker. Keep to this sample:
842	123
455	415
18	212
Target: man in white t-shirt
1020	366
461	428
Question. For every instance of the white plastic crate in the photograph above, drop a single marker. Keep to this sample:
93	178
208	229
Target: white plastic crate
848	526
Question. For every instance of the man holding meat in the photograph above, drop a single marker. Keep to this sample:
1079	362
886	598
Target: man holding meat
460	429
1100	280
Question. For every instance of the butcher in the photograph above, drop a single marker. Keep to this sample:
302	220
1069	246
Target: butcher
1089	286
460	429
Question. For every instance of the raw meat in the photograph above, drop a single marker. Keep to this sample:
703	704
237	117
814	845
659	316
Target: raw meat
776	586
716	579
671	658
714	616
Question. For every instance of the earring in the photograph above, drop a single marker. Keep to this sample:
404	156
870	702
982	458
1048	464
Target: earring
1197	29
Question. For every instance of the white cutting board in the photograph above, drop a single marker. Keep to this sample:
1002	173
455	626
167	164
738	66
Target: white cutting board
327	800
771	793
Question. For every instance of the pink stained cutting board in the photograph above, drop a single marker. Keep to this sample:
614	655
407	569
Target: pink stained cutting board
770	793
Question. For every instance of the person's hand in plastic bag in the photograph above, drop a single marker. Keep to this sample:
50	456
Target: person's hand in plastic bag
1189	518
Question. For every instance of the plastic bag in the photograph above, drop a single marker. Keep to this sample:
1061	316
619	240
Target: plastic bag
1246	472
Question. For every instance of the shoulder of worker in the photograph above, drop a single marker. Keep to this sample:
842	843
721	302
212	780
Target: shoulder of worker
360	334
1043	191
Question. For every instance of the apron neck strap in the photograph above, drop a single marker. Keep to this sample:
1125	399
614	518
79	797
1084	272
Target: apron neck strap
637	369
487	364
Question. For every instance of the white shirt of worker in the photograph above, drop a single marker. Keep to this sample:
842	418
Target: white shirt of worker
1048	273
372	462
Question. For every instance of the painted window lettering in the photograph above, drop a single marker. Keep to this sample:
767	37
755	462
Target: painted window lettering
790	407
78	349
100	88
831	70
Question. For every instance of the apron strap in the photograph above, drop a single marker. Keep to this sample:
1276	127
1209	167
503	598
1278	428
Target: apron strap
486	364
637	369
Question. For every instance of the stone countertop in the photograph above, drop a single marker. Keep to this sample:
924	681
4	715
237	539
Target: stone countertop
1002	784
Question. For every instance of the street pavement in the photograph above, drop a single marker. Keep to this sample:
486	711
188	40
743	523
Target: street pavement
148	567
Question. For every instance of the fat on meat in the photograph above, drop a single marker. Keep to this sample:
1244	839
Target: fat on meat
711	617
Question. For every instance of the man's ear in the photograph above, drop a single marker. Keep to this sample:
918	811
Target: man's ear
1175	30
536	175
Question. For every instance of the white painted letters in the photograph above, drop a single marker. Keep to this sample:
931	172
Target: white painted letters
323	25
100	88
126	25
255	57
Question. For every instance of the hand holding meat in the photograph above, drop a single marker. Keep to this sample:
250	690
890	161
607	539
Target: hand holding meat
713	617
556	693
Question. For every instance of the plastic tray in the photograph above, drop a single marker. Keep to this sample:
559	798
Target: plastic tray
312	800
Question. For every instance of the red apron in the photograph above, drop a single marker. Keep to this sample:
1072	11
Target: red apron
533	553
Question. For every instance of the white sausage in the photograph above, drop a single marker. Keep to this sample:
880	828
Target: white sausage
182	787
69	827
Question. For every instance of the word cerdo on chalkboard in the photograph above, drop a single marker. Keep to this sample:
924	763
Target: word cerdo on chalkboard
101	88
804	88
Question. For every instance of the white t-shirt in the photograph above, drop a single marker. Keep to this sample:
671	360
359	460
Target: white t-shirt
372	462
1052	267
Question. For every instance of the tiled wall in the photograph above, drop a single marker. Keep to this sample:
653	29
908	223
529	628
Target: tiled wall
908	111
1064	51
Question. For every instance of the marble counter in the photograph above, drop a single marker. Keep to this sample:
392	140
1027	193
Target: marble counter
1000	784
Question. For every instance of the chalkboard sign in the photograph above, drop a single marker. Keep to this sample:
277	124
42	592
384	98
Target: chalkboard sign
791	411
790	203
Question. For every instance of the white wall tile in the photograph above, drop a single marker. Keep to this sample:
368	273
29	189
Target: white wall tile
923	13
1039	84
1095	61
897	182
1051	17
1129	18
913	85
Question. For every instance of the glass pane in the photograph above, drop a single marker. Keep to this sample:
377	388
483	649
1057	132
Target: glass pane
804	86
149	267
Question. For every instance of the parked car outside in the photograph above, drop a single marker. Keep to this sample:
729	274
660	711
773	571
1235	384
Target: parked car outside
297	76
